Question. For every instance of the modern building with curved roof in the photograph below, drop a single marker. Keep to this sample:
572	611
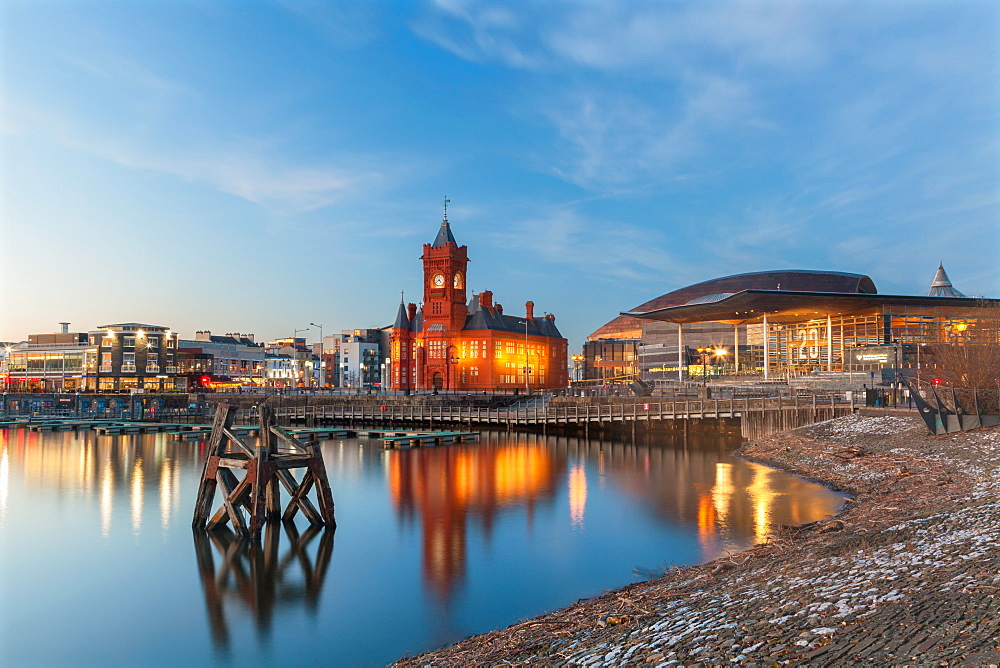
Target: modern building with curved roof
630	327
782	321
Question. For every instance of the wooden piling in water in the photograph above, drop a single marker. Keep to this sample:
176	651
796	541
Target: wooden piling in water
250	502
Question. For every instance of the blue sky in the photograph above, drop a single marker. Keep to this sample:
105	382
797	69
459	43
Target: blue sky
254	167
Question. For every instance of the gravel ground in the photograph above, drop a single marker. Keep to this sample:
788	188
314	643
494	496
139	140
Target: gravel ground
908	574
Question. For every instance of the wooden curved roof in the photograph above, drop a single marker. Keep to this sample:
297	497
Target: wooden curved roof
802	280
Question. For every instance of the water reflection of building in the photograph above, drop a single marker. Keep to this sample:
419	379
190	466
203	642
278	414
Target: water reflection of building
443	486
730	501
122	472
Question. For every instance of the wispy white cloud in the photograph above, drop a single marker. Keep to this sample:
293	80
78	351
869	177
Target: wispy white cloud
655	36
604	250
249	168
344	24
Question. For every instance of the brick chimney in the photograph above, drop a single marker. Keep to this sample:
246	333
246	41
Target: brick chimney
486	299
203	335
411	311
529	310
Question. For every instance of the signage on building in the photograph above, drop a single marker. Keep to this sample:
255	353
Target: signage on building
875	355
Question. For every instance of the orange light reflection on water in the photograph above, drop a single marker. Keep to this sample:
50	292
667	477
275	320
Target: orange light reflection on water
445	485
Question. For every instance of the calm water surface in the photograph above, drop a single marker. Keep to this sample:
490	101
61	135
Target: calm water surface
99	565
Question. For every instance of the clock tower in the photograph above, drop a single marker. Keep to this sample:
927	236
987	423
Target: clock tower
445	302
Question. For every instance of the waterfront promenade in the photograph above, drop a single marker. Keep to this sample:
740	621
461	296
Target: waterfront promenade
906	575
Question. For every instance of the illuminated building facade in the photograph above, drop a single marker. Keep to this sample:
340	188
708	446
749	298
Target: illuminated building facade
134	356
361	364
115	358
213	360
458	345
289	362
801	322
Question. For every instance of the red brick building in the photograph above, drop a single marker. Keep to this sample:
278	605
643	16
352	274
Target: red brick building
451	343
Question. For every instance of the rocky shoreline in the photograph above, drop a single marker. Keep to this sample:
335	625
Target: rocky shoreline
907	574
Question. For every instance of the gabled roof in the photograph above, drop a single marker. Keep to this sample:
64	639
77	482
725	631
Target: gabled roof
417	324
481	318
232	340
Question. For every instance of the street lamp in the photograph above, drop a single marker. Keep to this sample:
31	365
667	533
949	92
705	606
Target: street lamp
706	355
322	362
703	352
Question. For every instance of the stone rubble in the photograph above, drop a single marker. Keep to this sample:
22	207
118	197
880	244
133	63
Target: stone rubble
908	574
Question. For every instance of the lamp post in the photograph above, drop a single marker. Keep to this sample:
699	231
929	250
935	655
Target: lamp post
704	352
706	356
322	362
577	366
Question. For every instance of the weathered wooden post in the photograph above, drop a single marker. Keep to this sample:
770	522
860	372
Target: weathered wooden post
267	468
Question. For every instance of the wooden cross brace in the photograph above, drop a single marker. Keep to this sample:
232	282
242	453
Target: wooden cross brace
258	493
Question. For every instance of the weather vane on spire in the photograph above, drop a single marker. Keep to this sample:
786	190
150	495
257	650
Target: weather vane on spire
446	202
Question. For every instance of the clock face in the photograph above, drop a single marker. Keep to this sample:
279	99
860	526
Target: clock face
439	280
457	282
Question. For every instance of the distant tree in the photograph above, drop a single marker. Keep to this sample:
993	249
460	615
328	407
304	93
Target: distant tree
969	357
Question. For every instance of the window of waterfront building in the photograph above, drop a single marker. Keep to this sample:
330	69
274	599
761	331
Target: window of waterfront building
73	361
106	362
436	349
128	362
36	361
171	342
128	341
18	362
153	343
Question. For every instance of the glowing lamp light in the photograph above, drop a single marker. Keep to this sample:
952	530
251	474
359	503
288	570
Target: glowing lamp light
721	351
961	327
140	333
